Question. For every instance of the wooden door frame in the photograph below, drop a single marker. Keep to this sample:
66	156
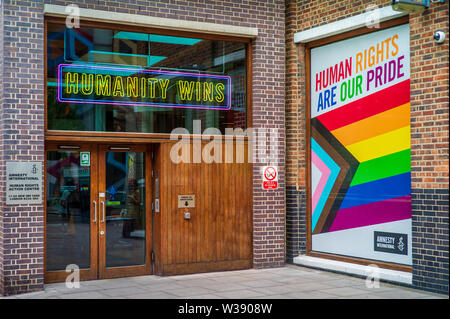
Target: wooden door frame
85	274
95	272
146	269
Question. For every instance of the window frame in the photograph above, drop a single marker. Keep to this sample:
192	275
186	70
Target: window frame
137	137
308	212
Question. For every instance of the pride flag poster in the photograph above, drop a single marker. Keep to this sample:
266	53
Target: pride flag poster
360	155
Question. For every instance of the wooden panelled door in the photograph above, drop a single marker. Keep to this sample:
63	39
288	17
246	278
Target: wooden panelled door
98	211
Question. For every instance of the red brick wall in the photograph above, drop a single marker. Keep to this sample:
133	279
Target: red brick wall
429	99
429	130
430	148
21	230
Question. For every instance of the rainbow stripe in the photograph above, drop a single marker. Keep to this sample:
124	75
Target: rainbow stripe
375	130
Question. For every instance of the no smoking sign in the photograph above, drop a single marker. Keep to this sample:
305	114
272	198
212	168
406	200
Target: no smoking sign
270	177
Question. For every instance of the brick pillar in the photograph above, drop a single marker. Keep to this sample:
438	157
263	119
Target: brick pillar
295	137
22	131
269	114
1	148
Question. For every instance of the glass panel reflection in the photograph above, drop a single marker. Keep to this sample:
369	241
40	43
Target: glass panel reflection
108	47
125	209
68	211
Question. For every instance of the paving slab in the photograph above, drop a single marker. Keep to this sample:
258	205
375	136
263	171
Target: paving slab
401	294
187	292
260	283
85	295
124	291
152	295
290	282
240	294
226	286
207	296
344	291
158	286
310	295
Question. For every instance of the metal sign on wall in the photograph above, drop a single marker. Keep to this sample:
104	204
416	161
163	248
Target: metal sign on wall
270	177
143	87
186	201
23	183
360	147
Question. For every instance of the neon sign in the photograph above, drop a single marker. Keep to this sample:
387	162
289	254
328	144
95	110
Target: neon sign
135	86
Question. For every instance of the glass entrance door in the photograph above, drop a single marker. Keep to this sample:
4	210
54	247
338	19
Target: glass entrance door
124	226
71	212
97	212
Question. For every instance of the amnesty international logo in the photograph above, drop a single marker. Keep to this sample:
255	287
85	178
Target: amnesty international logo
391	243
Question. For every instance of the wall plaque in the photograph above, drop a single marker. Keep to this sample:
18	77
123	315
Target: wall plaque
23	183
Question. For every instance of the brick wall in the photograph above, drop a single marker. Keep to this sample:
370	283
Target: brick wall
22	125
295	222
429	129
430	239
23	117
430	148
1	146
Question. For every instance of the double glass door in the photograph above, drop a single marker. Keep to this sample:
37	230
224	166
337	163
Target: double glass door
97	211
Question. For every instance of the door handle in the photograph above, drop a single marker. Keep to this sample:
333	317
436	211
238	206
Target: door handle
95	211
103	210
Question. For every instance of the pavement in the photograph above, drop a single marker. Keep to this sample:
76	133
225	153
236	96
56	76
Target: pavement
289	282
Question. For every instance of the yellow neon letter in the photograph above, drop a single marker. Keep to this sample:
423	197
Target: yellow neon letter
152	83
219	92
185	89
118	87
87	83
164	84
143	87
71	82
208	91
103	85
132	86
198	91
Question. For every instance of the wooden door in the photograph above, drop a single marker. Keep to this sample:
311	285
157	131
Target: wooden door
217	235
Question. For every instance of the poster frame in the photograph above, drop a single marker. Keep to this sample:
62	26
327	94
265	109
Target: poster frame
308	47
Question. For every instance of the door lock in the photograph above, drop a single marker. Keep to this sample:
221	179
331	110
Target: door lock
102	232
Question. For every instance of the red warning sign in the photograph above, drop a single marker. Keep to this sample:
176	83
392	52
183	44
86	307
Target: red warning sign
270	177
